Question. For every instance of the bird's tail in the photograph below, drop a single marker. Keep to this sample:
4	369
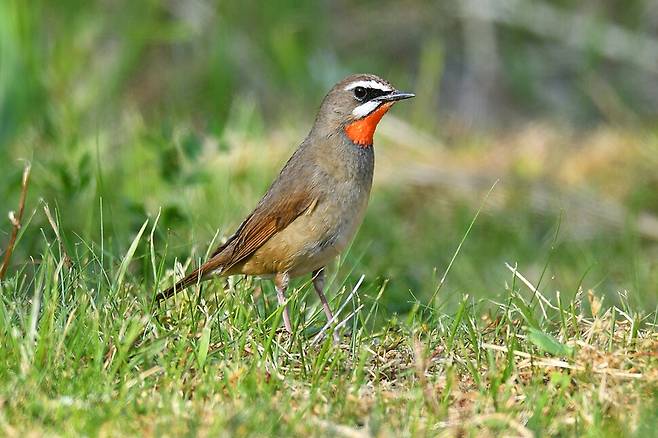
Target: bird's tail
194	277
220	262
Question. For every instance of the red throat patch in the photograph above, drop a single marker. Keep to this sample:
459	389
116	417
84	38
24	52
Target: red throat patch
361	131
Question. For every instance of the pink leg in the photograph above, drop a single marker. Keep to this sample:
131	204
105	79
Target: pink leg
281	285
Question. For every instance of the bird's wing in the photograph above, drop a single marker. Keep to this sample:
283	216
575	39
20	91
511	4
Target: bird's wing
266	220
291	194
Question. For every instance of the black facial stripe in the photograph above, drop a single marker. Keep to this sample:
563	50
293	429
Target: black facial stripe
366	94
371	93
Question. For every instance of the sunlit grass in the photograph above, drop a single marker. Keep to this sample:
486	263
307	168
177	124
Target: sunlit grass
83	356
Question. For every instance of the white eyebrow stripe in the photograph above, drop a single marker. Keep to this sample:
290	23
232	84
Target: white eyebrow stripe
368	84
365	108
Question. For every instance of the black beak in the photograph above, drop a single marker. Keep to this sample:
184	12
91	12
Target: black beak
394	96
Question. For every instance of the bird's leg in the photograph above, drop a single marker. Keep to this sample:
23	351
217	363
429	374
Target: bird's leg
318	284
281	285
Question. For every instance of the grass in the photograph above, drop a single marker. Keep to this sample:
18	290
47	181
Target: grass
87	351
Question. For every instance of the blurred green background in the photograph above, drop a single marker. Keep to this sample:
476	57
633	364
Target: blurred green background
189	108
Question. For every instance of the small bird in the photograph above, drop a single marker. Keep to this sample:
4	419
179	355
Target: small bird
314	207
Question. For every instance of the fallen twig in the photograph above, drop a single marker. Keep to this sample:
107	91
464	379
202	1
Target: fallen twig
15	220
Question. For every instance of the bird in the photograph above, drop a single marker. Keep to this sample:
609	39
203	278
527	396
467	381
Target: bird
314	207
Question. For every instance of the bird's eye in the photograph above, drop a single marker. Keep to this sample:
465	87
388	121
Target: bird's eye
360	93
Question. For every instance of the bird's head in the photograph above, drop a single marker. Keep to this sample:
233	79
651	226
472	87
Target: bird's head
355	106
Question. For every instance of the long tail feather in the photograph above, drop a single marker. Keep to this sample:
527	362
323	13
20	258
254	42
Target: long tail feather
192	278
217	265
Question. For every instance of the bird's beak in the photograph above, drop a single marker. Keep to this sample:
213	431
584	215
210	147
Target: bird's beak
394	96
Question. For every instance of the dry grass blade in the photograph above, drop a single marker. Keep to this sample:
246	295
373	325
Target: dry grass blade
557	363
16	221
66	260
532	288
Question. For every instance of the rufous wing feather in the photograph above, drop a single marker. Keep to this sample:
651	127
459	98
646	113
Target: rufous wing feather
268	218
